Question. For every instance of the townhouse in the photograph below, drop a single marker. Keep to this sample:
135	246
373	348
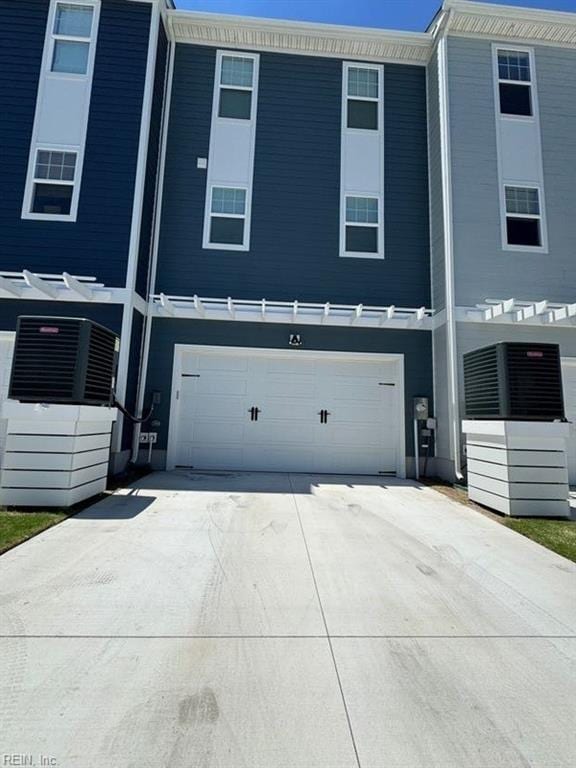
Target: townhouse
296	229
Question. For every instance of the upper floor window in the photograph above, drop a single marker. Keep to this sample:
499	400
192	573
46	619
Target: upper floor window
71	36
515	83
362	97
228	216
362	225
523	216
236	84
53	183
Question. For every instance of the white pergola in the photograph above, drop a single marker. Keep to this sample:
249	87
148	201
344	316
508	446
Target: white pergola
541	312
60	287
293	312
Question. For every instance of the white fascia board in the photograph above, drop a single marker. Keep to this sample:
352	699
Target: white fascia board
510	11
249	33
483	20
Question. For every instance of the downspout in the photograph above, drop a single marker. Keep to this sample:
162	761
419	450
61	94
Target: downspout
153	256
446	160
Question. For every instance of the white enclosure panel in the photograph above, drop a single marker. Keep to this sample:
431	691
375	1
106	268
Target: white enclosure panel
569	379
6	351
62	112
212	426
520	146
363	162
231	157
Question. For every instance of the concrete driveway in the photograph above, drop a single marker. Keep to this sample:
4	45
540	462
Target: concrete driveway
275	621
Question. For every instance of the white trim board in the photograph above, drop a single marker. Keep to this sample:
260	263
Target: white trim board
231	151
516	125
43	118
181	349
361	151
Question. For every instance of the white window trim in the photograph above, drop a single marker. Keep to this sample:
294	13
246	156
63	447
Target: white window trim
496	49
57	182
510	182
231	183
47	74
244	216
540	216
344	192
54	37
373	225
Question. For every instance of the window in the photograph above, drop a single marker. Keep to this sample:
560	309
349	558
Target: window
363	93
227	216
53	183
236	87
71	36
362	225
523	216
515	83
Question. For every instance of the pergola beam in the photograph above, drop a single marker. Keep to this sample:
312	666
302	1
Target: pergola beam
76	286
33	281
7	286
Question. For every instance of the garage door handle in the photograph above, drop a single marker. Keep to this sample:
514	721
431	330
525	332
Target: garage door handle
323	416
254	411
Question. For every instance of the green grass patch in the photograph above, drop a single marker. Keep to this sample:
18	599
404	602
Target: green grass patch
17	526
557	535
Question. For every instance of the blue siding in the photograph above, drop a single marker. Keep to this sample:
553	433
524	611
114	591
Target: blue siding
294	246
416	346
98	243
108	315
152	163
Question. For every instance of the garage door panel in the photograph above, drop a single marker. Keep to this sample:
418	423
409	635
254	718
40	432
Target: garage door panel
211	457
287	366
216	430
279	388
281	458
222	385
223	364
231	407
276	431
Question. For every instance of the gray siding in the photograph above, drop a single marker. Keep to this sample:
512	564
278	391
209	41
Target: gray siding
294	250
482	268
416	346
436	202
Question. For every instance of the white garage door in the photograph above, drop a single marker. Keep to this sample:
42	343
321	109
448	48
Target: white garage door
569	378
293	411
6	349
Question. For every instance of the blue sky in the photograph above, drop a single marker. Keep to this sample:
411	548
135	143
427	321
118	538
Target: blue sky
388	14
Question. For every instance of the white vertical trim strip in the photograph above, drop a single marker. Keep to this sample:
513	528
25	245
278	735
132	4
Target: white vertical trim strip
35	144
451	341
348	190
216	147
503	182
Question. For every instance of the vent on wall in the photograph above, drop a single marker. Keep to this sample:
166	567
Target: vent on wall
63	360
514	381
